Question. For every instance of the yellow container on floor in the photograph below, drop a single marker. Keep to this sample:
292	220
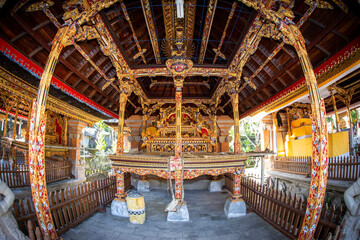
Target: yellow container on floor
136	207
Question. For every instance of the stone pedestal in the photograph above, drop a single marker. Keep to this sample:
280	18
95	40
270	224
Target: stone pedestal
234	209
143	186
215	186
180	216
119	208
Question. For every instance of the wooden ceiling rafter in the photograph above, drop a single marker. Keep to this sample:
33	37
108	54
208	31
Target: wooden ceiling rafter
105	20
218	49
19	36
151	29
127	17
207	28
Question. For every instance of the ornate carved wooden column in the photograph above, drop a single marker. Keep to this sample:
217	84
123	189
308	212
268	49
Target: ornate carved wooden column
120	186
178	83
6	120
8	102
335	110
37	137
120	137
29	105
235	104
236	195
214	131
319	138
280	26
125	91
15	119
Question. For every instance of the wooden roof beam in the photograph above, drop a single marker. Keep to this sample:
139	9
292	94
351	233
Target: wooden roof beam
45	23
290	74
341	35
17	37
267	54
207	28
67	76
151	29
116	40
68	53
35	51
324	50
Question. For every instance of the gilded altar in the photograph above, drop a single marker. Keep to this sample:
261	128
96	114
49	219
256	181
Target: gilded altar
197	132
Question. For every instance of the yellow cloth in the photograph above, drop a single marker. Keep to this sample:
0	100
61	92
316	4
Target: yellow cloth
338	145
301	131
300	122
136	208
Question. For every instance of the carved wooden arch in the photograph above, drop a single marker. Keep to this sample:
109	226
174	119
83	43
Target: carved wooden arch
292	35
67	35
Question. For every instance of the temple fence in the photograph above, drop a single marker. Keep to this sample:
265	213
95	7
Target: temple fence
17	175
340	168
69	206
286	212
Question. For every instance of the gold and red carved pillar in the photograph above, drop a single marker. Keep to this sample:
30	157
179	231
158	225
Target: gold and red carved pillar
15	119
335	110
37	135
120	187
125	91
319	138
7	108
29	105
178	82
120	137
236	195
235	105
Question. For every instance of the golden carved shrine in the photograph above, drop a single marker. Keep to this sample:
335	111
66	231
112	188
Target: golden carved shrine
177	75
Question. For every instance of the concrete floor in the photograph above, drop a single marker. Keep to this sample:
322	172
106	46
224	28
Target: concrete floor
207	221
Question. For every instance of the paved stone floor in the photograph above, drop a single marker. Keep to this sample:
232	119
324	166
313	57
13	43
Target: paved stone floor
207	221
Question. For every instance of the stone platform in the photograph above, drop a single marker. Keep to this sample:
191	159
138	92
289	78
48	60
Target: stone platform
207	221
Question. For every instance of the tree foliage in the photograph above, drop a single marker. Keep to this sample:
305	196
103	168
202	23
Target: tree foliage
100	163
250	131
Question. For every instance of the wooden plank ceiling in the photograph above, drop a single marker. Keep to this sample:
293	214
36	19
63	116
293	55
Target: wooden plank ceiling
326	32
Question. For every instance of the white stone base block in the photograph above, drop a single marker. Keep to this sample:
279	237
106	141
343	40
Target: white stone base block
180	216
234	209
215	186
143	186
119	208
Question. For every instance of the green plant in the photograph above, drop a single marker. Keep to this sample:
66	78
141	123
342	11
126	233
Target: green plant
250	134
100	163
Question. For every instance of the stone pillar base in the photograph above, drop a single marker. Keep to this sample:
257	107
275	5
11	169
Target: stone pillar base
180	216
234	209
119	208
215	186
143	186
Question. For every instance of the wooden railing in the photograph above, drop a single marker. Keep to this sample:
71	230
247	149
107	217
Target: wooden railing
340	168
286	212
298	165
17	175
69	206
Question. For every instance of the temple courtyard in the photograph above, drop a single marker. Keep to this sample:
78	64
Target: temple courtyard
207	221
